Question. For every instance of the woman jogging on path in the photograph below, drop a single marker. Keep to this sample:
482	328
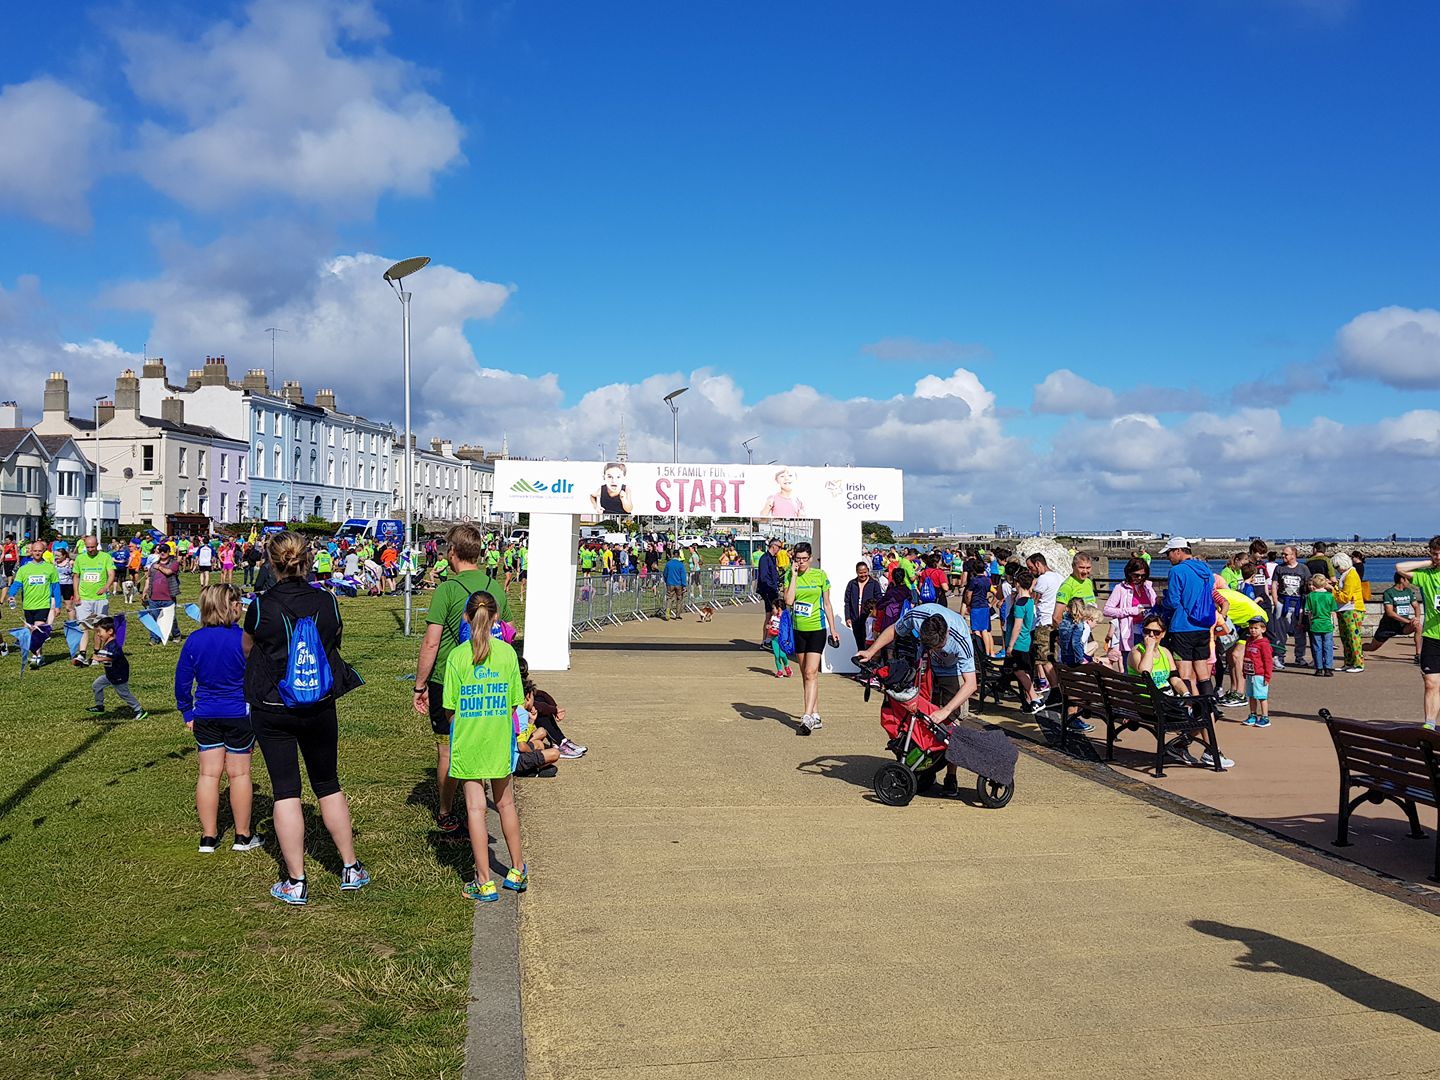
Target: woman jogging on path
807	595
288	733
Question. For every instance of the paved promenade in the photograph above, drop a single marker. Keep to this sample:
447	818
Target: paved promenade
715	897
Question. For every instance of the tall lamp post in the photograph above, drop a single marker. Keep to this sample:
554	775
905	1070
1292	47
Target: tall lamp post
675	416
403	269
749	453
99	502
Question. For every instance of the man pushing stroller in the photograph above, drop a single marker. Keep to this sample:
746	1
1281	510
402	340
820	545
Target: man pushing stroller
945	636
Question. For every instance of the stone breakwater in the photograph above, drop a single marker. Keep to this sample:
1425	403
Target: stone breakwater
1414	549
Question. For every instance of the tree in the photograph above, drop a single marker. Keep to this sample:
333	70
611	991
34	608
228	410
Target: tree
876	533
45	525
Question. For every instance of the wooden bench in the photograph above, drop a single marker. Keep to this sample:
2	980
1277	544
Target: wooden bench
1125	701
992	679
1398	762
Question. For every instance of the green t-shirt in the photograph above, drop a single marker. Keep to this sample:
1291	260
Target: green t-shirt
183	546
492	558
442	568
147	546
1320	606
907	568
91	572
482	699
447	610
1402	600
1072	588
587	559
1427	580
36	579
808	611
1231	576
323	562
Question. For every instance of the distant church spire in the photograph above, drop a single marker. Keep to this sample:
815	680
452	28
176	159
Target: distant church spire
622	453
505	445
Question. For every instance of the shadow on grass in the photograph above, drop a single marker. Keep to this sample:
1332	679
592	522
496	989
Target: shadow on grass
452	852
1271	954
765	712
27	788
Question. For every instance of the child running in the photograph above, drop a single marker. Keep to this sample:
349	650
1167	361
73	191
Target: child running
482	690
112	658
1259	665
210	694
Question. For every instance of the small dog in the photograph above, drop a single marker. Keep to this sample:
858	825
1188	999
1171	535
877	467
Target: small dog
706	613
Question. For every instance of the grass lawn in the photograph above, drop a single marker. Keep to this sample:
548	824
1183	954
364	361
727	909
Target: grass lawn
124	953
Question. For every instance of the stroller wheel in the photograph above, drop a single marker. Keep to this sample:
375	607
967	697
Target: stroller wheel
992	794
894	784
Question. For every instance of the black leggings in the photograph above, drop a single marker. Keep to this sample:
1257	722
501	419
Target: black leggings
285	737
551	727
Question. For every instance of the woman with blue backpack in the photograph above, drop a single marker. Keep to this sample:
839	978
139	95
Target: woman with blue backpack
293	676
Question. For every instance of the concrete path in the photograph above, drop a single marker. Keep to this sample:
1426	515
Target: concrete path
714	896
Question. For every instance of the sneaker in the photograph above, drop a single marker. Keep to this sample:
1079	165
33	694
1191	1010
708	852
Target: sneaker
1429	725
1177	752
96	710
1250	720
451	825
788	672
142	715
1208	759
208	844
247	843
1262	721
1036	706
1232	700
949	786
780	674
80	661
1353	669
1081	726
517	880
292	892
483	891
1279	665
804	728
569	750
34	661
354	877
815	724
1329	672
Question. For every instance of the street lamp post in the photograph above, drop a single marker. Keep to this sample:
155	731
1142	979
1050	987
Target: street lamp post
749	453
99	502
675	417
393	276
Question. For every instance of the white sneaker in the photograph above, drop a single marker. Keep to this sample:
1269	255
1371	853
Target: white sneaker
805	722
1208	760
815	724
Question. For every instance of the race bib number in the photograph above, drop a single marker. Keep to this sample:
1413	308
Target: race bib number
90	577
804	611
35	579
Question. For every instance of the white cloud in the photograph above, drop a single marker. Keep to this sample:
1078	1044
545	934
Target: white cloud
1064	393
51	151
297	100
1398	346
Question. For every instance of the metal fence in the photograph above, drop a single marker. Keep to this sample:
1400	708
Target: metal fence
603	600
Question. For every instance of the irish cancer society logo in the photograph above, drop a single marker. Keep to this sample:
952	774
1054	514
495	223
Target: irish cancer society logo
539	487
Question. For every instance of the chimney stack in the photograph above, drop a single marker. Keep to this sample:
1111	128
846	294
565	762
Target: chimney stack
57	394
214	373
193	380
105	412
154	368
9	414
325	399
173	409
127	392
292	392
256	379
435	445
470	453
447	448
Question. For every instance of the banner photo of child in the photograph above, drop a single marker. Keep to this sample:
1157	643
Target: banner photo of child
613	497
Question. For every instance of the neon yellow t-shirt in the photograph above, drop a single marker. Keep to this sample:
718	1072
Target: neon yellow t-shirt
807	612
482	699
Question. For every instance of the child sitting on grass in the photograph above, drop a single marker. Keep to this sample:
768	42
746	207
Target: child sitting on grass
548	715
482	690
112	658
535	754
1259	665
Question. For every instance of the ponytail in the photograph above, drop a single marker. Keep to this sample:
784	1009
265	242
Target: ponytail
481	613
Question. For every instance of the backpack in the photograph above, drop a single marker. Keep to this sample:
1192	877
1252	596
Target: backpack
307	680
926	591
787	633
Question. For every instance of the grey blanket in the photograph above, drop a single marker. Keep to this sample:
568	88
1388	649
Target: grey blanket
988	753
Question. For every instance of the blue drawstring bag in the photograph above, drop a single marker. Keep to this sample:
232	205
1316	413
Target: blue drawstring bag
787	633
308	679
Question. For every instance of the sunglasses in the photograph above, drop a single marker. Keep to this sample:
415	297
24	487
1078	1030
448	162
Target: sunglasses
1153	633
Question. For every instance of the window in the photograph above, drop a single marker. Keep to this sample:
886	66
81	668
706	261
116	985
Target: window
200	462
259	461
334	509
332	436
183	454
313	430
259	423
279	469
264	505
147	457
240	467
295	467
364	508
314	467
224	507
330	470
224	467
345	439
182	500
345	472
67	484
147	500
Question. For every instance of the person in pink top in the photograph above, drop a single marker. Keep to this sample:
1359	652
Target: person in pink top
1127	605
784	503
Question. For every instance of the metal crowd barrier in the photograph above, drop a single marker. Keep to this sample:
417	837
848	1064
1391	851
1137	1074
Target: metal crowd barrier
603	600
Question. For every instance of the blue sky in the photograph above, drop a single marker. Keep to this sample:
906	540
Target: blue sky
1148	253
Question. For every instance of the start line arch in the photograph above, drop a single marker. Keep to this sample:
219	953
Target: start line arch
557	493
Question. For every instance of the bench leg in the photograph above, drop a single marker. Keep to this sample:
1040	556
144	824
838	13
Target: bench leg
1436	875
1416	833
1109	739
1214	743
1159	752
1342	829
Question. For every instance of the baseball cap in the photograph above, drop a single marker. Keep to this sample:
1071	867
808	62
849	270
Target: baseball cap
1258	620
1176	542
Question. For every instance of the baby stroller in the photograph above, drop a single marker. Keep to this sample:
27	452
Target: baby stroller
922	747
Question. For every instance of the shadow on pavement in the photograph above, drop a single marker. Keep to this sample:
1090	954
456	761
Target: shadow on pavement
1268	953
857	769
765	712
598	645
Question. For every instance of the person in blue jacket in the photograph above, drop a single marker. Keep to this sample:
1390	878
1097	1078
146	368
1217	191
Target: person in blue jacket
210	694
1188	607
